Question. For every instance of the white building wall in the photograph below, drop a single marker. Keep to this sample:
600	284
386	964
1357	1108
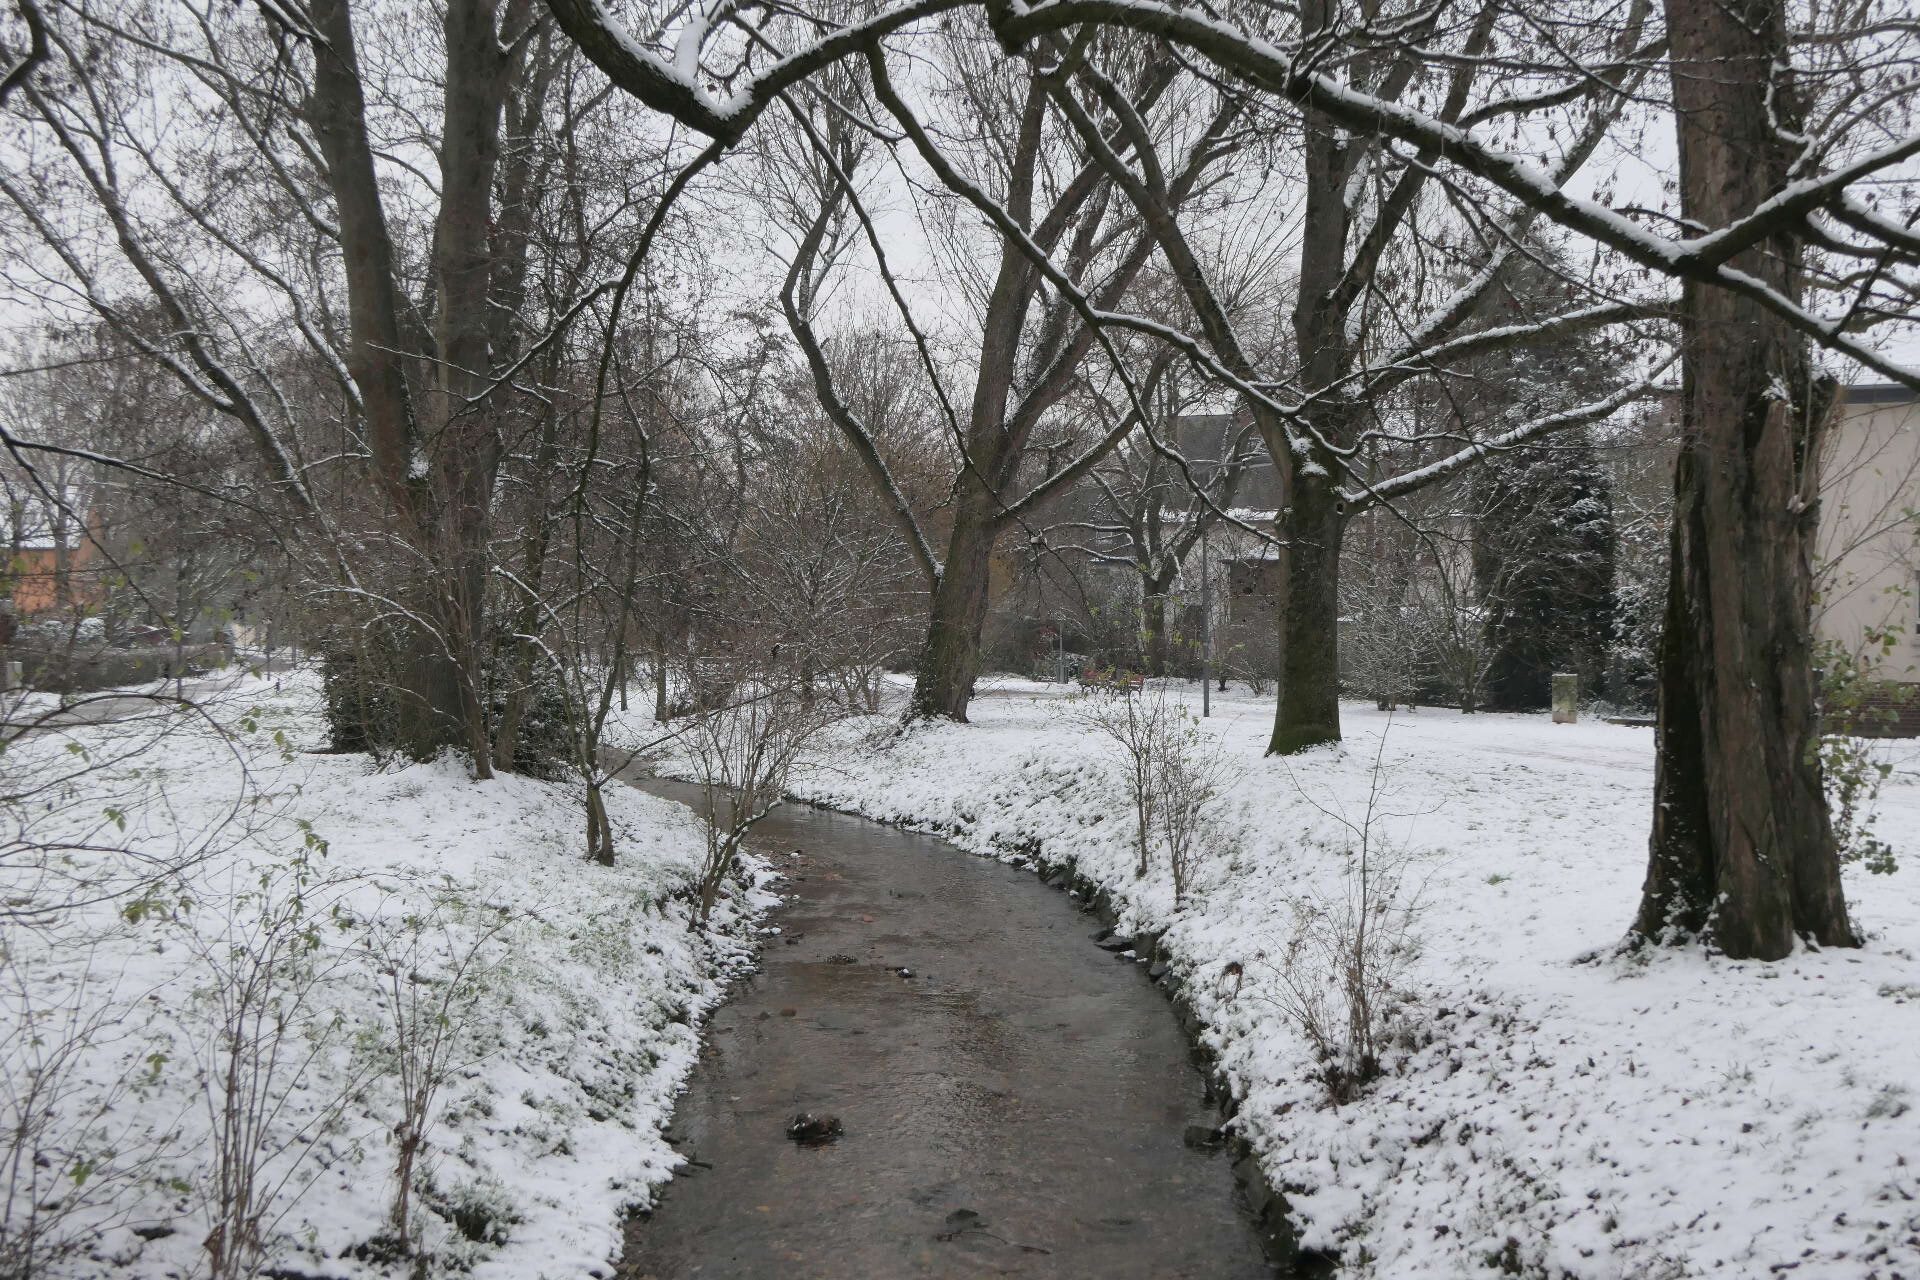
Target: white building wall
1867	574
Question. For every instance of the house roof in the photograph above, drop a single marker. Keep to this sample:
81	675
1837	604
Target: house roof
1881	393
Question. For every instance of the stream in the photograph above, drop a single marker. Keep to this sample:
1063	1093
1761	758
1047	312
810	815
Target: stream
1017	1106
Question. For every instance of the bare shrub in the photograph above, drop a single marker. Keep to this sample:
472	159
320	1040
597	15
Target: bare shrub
1454	623
86	824
432	969
1342	977
1190	781
264	1006
66	1167
1144	723
1249	651
1854	767
103	840
742	752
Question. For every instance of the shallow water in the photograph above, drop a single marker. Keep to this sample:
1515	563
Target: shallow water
1015	1107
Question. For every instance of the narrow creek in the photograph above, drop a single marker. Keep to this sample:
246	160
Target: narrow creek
1017	1106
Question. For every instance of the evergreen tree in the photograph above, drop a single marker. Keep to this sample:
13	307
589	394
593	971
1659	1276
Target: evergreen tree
1543	566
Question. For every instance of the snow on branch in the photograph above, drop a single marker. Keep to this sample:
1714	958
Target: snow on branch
1268	67
1565	419
677	90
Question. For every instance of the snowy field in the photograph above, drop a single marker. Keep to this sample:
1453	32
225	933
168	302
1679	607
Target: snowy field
351	923
1554	1109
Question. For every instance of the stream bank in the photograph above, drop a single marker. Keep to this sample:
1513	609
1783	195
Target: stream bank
1015	1099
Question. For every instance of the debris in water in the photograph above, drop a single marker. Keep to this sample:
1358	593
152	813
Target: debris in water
810	1130
962	1221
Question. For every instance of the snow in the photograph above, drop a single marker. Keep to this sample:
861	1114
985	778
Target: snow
1552	1107
1557	1108
576	1023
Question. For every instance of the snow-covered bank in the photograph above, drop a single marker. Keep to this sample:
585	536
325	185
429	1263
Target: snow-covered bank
1555	1114
569	994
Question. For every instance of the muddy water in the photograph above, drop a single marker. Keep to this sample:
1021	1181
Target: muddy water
1015	1107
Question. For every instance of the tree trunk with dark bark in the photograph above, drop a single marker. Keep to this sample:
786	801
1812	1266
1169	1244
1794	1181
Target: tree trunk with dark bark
460	415
438	482
429	710
662	708
1742	852
506	738
599	829
1307	713
950	657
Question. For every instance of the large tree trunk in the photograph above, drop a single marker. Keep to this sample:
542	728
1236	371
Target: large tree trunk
950	656
467	460
430	692
1307	712
533	566
1742	852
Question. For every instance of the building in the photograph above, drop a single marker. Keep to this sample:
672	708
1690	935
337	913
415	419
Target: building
1867	559
46	575
1867	573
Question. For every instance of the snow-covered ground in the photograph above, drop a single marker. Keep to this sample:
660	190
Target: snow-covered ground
1555	1109
571	993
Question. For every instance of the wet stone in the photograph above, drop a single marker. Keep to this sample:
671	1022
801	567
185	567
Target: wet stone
1202	1137
810	1130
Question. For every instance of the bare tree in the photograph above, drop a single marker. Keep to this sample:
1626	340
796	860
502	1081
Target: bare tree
1157	495
1742	850
1042	196
1147	726
1344	974
384	313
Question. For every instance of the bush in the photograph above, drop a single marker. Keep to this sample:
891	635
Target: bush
1343	977
360	678
356	684
545	747
1852	767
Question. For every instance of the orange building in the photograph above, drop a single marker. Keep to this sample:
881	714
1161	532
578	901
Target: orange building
35	572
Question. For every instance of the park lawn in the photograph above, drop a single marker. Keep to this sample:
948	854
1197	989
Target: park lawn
1555	1107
